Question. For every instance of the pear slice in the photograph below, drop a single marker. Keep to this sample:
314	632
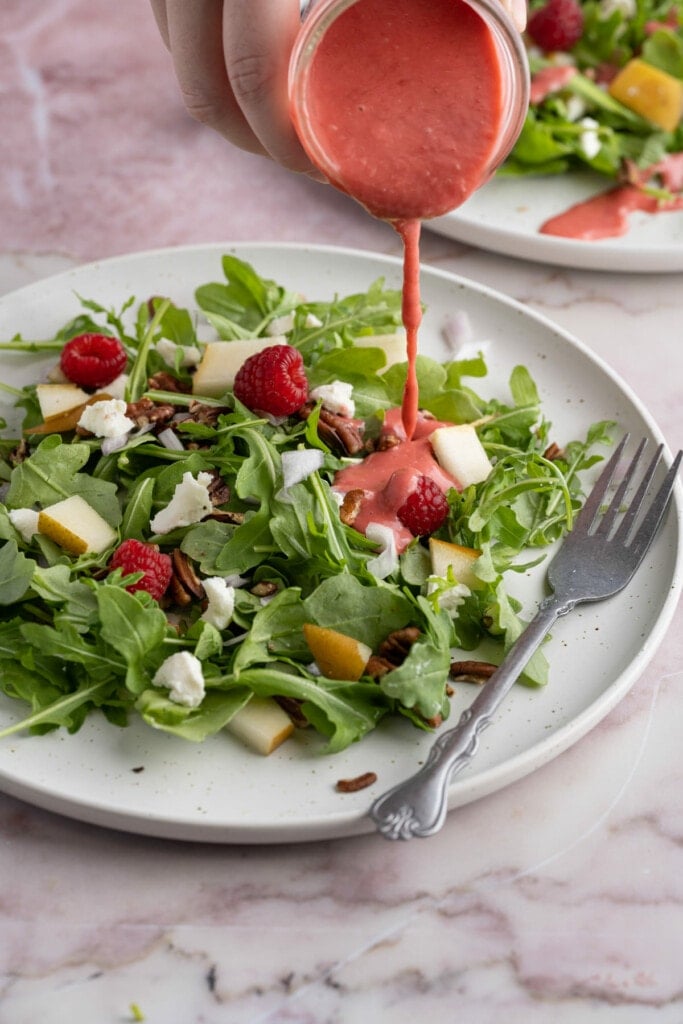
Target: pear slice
337	655
261	724
62	422
459	451
222	359
76	526
55	399
445	556
393	346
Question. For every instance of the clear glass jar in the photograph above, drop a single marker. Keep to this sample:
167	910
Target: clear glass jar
319	15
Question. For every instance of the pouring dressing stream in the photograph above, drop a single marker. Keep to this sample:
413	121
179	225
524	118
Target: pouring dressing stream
408	106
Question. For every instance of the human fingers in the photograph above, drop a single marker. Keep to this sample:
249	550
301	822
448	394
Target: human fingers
258	36
159	12
517	11
194	38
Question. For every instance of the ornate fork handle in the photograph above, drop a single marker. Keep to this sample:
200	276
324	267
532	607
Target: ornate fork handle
418	806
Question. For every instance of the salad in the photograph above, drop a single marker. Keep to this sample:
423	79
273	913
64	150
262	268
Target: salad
169	552
606	94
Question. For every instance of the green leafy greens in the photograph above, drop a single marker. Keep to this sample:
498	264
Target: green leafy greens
74	639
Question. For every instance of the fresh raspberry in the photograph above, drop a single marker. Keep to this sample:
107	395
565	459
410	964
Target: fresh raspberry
272	381
425	508
557	26
93	360
134	556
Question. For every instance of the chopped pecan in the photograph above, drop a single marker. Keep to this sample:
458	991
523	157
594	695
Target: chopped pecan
387	441
185	586
472	671
292	707
164	381
378	667
21	452
219	492
206	414
397	645
146	411
226	516
341	434
359	782
553	451
351	506
266	588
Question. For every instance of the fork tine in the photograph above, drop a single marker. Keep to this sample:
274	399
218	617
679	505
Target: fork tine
622	534
655	513
611	513
593	502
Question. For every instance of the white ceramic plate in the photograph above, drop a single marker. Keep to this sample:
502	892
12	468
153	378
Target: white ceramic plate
146	782
505	216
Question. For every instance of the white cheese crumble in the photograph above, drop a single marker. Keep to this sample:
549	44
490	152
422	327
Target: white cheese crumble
337	397
387	560
182	674
25	522
106	419
191	501
575	107
221	599
588	139
187	355
298	465
117	387
450	598
627	8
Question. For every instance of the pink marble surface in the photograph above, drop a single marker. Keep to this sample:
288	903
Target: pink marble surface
555	900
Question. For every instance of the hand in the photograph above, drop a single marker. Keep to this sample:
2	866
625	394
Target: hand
231	58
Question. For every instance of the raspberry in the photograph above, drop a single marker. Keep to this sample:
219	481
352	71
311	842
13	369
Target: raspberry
93	360
134	556
425	509
272	381
557	26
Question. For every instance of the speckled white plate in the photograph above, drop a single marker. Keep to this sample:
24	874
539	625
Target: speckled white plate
142	781
505	216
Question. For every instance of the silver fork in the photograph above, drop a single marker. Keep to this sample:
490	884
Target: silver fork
596	561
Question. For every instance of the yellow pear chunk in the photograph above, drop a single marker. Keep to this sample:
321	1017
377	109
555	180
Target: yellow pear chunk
222	359
445	556
393	346
76	526
261	724
337	655
55	399
459	451
650	92
62	422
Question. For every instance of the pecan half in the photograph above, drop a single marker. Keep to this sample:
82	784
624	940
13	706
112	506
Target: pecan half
292	707
339	433
397	645
219	492
472	671
359	782
553	451
185	586
377	667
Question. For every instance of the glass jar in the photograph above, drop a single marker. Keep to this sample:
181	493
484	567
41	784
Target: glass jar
321	25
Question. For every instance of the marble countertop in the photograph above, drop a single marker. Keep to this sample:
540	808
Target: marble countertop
557	899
